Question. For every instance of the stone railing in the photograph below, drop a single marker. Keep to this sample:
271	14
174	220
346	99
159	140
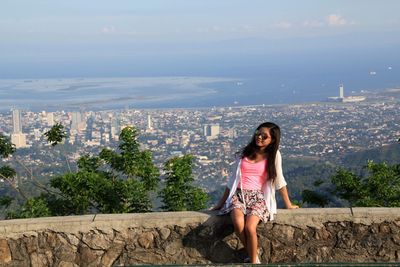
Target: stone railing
304	235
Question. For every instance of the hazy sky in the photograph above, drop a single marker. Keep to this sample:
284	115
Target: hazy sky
167	37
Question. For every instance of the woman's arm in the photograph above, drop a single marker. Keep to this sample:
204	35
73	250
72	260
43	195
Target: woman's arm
222	200
286	200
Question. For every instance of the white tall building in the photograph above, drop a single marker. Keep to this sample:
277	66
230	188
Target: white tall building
17	137
19	140
149	123
16	118
149	126
341	91
50	119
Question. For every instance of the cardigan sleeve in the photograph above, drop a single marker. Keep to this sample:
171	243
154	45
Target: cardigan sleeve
232	174
280	179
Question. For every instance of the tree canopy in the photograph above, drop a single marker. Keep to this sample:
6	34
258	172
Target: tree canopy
114	181
378	186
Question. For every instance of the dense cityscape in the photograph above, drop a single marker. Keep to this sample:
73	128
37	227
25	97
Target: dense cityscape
326	131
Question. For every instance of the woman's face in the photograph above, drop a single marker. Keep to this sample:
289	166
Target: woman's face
263	137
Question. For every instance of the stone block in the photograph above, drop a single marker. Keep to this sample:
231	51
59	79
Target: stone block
112	254
38	260
164	233
5	253
173	247
146	240
96	240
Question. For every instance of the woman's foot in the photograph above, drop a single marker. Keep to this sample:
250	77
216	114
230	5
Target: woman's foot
247	260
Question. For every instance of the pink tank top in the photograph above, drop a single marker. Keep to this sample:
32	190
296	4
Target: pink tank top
253	174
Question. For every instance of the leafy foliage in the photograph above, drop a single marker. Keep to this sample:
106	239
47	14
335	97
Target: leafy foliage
56	134
314	197
5	201
379	187
7	172
132	162
178	193
33	207
6	147
112	182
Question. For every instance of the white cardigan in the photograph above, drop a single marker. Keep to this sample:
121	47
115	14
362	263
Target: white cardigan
268	188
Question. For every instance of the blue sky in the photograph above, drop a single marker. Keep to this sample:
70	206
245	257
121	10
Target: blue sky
170	37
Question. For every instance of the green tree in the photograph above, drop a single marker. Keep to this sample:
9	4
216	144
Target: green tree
32	208
378	187
179	194
6	147
56	134
113	182
136	167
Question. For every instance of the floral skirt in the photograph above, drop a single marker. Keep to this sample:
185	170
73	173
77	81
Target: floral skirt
255	203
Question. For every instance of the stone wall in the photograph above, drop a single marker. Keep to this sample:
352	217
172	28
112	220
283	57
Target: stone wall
304	235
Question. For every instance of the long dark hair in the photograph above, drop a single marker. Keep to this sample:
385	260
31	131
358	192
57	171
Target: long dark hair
251	149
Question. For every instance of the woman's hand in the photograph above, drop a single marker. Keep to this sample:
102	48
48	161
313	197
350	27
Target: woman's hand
218	207
292	206
286	200
221	202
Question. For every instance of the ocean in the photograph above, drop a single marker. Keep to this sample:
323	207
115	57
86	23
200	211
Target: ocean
274	86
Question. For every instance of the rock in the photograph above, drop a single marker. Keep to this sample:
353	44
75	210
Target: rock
146	257
38	260
193	253
51	239
284	232
18	250
66	264
31	244
5	253
322	234
96	240
72	239
232	242
112	254
173	247
182	230
385	229
146	240
65	252
164	233
87	256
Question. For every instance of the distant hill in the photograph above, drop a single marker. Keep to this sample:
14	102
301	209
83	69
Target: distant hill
389	154
301	173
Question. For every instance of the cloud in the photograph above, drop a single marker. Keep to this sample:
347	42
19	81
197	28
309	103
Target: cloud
108	29
336	20
313	24
282	25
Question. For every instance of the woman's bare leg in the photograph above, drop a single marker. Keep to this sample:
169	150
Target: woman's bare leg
238	224
251	236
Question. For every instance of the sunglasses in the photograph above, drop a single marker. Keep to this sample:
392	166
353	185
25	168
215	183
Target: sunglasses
263	136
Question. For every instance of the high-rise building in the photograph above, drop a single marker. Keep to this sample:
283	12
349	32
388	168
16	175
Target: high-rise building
149	123
17	137
341	91
211	131
77	121
50	119
149	126
19	140
115	128
16	118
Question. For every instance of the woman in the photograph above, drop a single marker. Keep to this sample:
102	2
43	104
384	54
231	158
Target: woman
250	194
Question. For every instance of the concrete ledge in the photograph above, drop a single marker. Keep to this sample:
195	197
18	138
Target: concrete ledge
295	236
301	218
